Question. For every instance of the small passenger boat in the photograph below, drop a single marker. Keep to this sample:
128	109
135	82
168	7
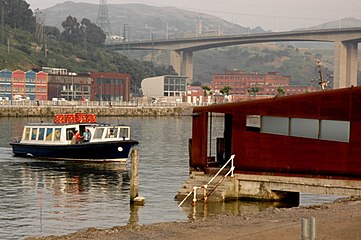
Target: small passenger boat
60	140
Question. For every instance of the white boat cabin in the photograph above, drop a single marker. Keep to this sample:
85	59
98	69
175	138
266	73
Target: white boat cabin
54	134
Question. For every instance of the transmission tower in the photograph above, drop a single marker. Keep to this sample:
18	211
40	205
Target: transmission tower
103	18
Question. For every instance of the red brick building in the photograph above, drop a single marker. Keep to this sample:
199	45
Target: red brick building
256	85
110	86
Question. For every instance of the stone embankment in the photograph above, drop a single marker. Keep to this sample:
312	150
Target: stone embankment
49	111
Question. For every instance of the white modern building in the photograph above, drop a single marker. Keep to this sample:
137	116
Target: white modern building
171	88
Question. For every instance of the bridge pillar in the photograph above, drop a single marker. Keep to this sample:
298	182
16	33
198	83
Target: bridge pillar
345	64
182	62
187	65
175	60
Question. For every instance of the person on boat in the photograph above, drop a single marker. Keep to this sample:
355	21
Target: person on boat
111	133
86	135
76	138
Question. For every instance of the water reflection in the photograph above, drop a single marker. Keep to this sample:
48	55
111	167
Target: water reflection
202	211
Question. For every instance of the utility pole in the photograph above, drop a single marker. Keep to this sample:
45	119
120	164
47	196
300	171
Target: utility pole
2	24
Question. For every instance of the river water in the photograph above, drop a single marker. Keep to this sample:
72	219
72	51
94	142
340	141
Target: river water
40	197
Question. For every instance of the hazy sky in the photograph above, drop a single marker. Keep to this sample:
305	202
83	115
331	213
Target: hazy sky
275	15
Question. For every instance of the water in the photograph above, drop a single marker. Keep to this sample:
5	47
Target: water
56	197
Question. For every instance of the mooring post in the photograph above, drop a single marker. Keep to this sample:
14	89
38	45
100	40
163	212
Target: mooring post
308	228
134	179
305	224
312	228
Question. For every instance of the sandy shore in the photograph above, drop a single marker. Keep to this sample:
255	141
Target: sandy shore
338	220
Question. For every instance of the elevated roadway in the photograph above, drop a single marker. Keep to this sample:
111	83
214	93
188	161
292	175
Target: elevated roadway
181	50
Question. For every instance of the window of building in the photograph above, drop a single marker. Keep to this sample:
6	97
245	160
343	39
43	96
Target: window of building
301	127
335	130
275	125
253	123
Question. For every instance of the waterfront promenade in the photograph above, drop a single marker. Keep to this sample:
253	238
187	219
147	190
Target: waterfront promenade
105	108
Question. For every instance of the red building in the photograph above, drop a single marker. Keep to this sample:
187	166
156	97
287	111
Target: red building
246	86
18	83
41	86
110	86
307	134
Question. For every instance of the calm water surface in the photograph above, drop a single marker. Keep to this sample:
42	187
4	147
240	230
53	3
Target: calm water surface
56	197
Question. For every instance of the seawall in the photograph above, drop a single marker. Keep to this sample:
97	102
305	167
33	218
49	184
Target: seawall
49	111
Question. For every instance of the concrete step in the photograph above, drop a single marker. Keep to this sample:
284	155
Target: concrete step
224	189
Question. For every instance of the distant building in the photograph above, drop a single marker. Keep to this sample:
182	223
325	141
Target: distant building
41	86
26	85
110	86
6	83
256	85
71	87
172	88
59	71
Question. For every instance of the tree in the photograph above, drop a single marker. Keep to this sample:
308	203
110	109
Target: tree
52	32
206	90
92	33
71	31
253	91
225	90
280	92
17	14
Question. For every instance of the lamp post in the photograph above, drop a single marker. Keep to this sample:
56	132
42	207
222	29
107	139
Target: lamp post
101	90
72	87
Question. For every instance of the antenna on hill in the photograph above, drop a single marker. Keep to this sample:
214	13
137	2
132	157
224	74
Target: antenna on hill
103	18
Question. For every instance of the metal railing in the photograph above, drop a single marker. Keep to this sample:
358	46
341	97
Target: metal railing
205	194
96	104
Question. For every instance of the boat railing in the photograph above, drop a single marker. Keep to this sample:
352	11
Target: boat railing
205	186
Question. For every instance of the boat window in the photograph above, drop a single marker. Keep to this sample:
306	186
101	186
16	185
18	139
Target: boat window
115	132
34	132
49	134
98	133
112	133
27	134
123	133
57	134
69	133
41	134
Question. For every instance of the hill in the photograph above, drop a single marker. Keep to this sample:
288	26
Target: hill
144	21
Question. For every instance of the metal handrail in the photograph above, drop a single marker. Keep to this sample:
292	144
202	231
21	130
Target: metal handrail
205	196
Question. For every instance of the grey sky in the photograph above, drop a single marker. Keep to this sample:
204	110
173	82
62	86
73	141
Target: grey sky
275	15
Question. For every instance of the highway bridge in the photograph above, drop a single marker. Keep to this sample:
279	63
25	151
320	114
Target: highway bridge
181	50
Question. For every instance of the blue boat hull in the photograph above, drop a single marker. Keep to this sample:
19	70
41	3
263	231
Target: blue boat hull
96	151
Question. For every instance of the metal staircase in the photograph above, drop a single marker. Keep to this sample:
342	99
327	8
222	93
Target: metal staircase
215	188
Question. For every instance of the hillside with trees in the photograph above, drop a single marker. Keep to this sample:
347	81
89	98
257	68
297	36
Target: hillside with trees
79	47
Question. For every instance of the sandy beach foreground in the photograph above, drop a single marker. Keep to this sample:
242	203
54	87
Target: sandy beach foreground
338	220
